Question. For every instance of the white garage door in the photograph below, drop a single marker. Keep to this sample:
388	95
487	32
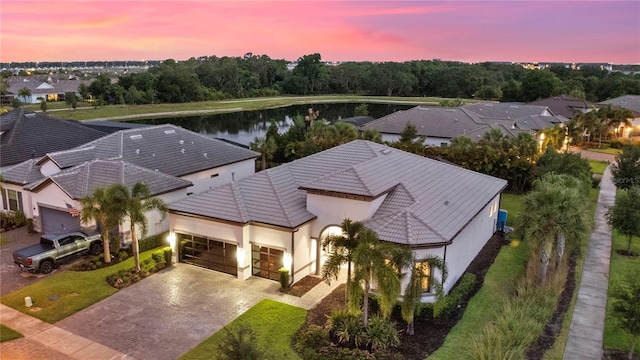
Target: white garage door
57	221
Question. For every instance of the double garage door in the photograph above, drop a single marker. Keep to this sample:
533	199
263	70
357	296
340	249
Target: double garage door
221	256
57	221
208	253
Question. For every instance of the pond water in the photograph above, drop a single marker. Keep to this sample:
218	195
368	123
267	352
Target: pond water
242	127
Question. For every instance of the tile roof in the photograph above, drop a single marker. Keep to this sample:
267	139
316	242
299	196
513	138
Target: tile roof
28	135
81	180
631	102
165	148
564	105
427	201
506	110
23	173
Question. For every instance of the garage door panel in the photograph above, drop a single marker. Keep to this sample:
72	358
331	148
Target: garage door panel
209	253
57	221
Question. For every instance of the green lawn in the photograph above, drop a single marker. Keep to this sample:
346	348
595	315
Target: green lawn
4	240
7	333
610	151
85	113
597	166
615	338
498	285
274	323
67	292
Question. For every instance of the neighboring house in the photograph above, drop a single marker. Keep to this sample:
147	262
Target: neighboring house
174	162
563	105
279	217
48	89
439	125
630	102
28	135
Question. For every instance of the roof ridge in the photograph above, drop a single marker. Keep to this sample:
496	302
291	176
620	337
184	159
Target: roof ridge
237	195
278	197
415	217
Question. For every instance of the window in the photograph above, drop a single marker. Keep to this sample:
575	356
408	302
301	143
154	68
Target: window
425	269
12	200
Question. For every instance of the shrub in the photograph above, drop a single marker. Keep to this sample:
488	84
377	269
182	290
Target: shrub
284	277
152	242
30	226
240	343
346	328
122	256
168	254
458	296
147	266
381	334
157	257
11	220
313	337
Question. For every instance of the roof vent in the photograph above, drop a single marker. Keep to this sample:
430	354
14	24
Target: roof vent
135	137
182	151
30	115
181	142
385	151
171	131
138	151
205	154
446	202
451	110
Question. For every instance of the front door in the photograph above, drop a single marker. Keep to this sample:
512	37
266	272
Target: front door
266	262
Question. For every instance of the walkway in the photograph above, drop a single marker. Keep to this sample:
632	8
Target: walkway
46	341
587	324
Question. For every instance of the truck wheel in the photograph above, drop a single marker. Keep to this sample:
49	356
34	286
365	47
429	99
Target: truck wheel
46	267
96	249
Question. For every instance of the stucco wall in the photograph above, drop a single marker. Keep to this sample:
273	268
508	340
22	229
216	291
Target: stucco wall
333	210
202	181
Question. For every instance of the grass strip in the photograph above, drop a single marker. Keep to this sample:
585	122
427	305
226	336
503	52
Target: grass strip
63	294
274	323
598	166
7	333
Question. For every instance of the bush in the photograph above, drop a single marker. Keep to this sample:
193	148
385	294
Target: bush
12	220
313	337
123	255
168	254
157	256
147	266
346	328
240	343
284	277
453	301
152	242
30	226
381	334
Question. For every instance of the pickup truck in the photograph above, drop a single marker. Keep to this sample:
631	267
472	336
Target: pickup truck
55	247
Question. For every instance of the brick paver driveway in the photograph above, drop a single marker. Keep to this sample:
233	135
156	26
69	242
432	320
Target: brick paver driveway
169	313
11	278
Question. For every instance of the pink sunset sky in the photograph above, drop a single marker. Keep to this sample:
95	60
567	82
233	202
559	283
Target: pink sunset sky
470	31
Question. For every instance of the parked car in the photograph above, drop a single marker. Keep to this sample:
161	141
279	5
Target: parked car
55	247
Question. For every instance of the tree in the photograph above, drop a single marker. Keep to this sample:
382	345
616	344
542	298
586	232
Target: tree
24	93
266	146
312	72
624	216
83	90
71	99
135	205
626	170
414	290
554	211
378	262
341	249
361	110
620	117
103	207
43	105
241	343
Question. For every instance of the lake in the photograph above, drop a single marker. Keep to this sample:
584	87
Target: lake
242	127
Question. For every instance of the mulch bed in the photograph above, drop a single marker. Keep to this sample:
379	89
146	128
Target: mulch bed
429	335
302	286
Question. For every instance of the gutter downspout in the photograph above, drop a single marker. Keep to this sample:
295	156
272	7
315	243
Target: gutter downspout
293	268
445	264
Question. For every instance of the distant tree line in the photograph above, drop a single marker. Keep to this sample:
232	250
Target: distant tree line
214	78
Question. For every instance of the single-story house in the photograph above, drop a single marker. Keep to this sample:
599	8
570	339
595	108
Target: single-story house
630	102
48	89
172	161
278	217
439	125
564	105
28	135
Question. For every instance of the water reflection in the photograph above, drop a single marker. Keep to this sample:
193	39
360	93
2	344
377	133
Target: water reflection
242	127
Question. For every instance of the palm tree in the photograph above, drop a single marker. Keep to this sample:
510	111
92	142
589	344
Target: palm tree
103	207
24	93
414	290
587	121
555	211
619	117
341	251
380	262
266	147
136	203
554	137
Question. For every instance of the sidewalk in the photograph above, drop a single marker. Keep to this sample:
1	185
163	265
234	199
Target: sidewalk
45	341
587	324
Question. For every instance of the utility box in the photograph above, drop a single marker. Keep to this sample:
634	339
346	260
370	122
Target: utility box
502	219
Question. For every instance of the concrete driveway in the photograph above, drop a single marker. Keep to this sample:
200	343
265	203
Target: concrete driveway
169	313
12	278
